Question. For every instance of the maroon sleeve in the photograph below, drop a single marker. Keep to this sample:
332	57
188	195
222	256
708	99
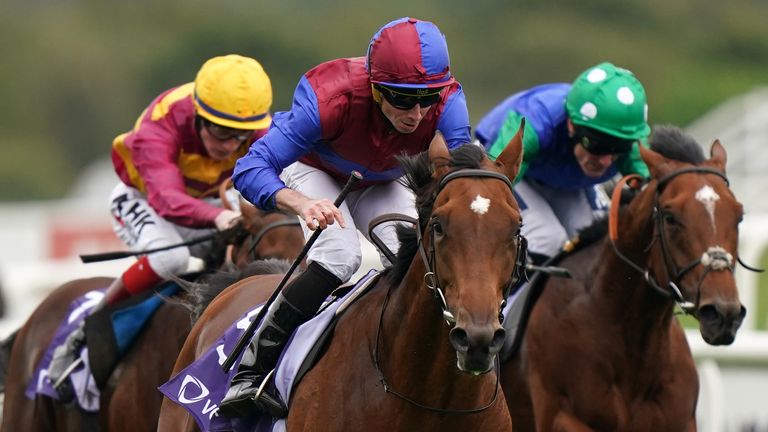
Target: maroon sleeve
155	149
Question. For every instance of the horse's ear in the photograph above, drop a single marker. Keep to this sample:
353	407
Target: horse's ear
718	155
512	156
251	215
439	155
656	162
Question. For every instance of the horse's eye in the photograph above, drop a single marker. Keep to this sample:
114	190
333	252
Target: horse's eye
437	227
670	219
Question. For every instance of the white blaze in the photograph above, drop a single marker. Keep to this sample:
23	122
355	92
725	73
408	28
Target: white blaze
480	205
708	197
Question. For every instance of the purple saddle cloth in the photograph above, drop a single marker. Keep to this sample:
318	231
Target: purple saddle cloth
201	386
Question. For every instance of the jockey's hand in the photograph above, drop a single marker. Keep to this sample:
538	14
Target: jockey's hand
321	213
227	219
316	213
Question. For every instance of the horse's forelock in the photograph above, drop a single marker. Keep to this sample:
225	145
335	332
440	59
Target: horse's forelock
672	143
418	178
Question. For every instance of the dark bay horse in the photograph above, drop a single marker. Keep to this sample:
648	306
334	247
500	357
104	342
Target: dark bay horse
130	401
392	362
603	351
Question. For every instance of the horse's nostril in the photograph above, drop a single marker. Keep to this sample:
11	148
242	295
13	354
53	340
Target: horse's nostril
742	313
708	313
498	340
459	339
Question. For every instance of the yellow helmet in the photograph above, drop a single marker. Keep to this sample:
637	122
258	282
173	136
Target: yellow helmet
235	92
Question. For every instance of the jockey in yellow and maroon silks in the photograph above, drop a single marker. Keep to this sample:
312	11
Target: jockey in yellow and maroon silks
182	147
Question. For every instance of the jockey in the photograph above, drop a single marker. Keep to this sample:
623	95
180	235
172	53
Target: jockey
182	147
347	114
576	136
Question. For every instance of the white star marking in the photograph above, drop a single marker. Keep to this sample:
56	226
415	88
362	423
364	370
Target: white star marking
708	197
480	205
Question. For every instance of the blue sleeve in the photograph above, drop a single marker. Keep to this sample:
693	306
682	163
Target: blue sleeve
454	120
292	134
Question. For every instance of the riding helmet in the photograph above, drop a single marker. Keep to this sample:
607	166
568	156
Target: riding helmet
611	100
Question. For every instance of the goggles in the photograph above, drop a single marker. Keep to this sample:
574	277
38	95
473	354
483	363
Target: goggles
223	133
598	143
406	99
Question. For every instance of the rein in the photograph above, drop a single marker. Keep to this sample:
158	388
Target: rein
432	282
715	258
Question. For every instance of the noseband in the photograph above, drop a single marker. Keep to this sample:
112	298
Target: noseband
715	258
430	277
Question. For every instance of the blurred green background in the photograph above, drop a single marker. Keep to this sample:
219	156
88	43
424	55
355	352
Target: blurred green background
76	73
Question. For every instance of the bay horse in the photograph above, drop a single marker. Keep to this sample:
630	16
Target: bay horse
392	363
130	400
603	350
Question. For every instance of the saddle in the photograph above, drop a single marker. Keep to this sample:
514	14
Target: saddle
199	387
109	334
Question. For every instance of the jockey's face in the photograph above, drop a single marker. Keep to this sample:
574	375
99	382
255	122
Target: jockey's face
591	164
404	121
221	146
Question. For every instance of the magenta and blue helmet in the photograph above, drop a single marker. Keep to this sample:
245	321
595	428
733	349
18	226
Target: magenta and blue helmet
409	53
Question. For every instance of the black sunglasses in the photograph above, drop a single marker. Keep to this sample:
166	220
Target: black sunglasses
405	101
223	133
598	143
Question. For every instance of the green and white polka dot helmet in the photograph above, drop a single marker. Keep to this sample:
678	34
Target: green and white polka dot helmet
609	99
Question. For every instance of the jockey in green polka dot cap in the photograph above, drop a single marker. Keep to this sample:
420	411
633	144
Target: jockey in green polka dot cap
578	136
610	100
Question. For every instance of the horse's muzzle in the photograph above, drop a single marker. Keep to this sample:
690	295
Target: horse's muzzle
719	321
476	347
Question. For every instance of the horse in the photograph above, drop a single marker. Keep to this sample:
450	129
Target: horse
603	350
130	400
391	362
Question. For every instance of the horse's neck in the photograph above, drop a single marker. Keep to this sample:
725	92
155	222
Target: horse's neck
624	296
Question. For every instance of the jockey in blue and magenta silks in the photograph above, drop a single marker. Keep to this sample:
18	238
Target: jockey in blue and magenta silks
170	165
577	136
347	114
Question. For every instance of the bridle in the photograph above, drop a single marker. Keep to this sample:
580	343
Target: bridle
715	258
252	241
428	257
432	282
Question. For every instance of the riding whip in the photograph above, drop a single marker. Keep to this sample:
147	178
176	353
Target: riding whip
247	335
108	256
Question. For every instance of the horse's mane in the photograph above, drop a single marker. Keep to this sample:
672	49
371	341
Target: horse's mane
671	142
418	178
203	291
